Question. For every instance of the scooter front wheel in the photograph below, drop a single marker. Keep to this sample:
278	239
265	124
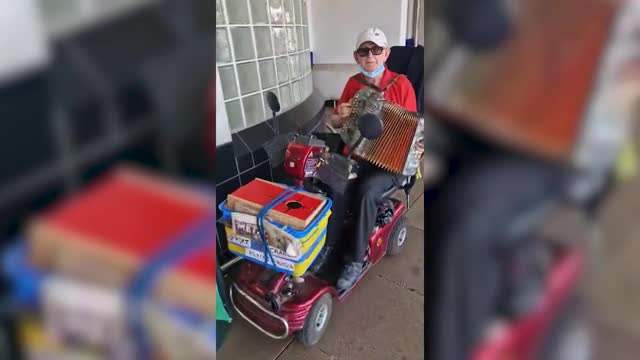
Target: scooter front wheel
317	321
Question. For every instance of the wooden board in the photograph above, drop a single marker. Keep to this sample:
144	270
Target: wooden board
252	197
106	232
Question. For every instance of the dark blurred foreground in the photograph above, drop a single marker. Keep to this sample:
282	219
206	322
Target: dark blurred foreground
534	103
85	86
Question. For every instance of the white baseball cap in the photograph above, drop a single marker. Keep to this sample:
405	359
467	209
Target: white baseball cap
374	35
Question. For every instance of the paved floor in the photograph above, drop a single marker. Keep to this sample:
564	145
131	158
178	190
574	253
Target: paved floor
383	318
615	287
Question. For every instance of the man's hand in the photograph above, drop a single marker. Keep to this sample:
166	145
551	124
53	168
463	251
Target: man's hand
344	111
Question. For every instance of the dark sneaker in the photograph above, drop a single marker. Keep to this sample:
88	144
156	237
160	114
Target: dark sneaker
349	275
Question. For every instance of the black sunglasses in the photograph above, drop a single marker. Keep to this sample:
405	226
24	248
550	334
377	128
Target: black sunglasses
363	51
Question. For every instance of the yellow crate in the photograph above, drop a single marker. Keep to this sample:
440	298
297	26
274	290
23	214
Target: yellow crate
282	265
307	241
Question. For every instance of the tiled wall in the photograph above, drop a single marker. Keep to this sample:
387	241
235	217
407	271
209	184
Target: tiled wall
244	159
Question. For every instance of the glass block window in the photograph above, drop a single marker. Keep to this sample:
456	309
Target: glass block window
262	45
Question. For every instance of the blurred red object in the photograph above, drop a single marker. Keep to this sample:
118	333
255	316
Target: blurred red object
107	231
526	337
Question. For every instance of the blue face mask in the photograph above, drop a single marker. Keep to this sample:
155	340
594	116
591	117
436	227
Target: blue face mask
374	73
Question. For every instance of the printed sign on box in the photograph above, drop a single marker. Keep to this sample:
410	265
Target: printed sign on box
248	244
280	263
246	226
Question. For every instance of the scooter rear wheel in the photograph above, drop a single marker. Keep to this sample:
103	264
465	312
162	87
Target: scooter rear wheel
398	237
317	321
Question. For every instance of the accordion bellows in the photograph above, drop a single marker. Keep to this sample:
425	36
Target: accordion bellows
396	150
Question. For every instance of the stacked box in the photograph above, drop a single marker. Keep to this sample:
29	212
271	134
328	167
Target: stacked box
68	305
73	265
251	246
107	232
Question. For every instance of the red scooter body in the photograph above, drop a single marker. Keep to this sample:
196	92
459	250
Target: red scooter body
301	160
277	304
524	337
250	294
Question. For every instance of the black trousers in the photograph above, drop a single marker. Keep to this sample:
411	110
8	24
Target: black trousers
465	222
362	197
367	191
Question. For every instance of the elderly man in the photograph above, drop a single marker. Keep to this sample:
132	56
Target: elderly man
370	54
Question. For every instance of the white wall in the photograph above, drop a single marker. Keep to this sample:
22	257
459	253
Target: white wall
223	132
336	23
329	80
334	27
23	45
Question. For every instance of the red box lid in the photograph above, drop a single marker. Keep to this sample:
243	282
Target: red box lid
139	215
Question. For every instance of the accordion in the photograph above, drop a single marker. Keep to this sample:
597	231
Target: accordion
399	149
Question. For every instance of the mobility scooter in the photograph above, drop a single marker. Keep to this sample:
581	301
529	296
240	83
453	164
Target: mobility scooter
281	305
